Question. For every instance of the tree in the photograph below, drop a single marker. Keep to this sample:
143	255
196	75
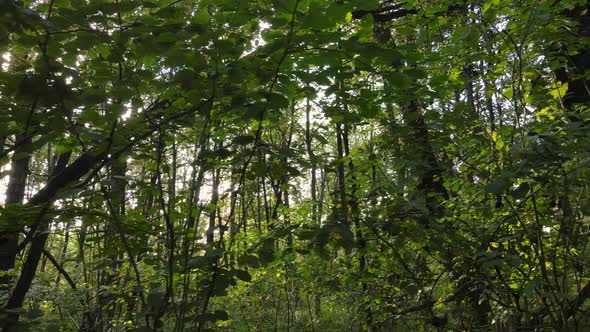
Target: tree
293	165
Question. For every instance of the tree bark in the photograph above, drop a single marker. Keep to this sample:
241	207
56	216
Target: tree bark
15	194
29	268
312	160
216	178
430	188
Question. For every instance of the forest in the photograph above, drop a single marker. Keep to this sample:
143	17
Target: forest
294	165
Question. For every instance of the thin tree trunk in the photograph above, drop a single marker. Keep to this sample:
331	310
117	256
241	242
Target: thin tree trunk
216	174
117	198
258	207
355	214
312	160
266	206
343	208
191	225
322	195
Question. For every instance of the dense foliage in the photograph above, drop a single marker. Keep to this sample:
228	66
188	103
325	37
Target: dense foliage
294	165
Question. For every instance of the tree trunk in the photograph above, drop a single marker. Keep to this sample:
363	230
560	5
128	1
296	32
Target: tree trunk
430	188
39	238
342	211
15	193
312	160
117	199
216	178
575	72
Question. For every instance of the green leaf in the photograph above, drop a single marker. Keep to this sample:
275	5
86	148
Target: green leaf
367	5
559	90
199	262
155	299
585	206
278	101
398	80
521	191
220	315
249	260
342	234
244	139
497	186
315	18
35	313
63	148
243	275
259	169
487	4
20	155
214	252
104	50
221	285
266	251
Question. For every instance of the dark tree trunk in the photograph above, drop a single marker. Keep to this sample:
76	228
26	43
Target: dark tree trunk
39	238
574	73
343	208
15	194
216	175
430	188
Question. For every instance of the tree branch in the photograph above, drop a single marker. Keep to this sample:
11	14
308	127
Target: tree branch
59	268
